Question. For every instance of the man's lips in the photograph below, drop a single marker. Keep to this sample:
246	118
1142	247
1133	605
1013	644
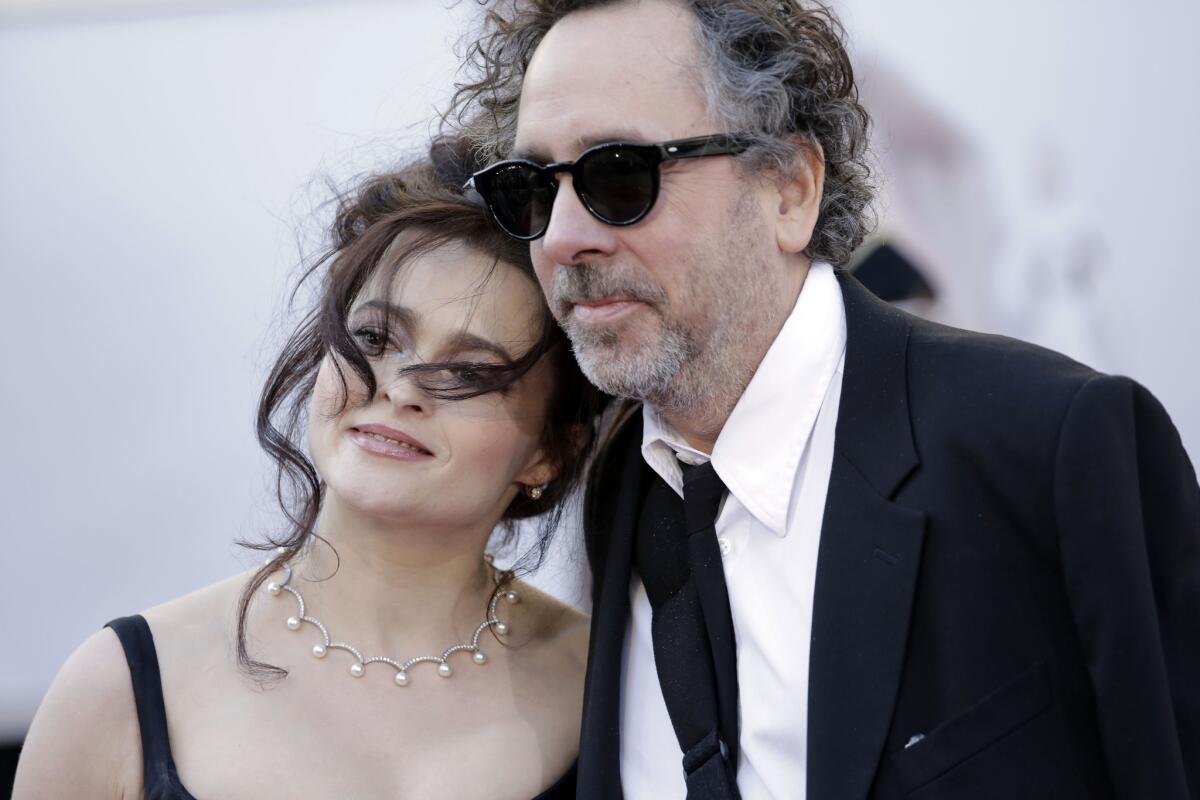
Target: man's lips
604	310
385	441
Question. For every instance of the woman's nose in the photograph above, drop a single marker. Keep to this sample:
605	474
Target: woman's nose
402	391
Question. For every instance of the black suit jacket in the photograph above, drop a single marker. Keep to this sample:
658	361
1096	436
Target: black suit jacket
1009	567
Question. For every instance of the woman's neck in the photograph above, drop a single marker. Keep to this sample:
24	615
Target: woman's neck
393	589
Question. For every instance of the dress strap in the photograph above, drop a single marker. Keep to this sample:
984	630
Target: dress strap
158	767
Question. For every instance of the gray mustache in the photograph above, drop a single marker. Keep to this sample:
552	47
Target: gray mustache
583	283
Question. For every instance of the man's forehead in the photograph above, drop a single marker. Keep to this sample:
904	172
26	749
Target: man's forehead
626	72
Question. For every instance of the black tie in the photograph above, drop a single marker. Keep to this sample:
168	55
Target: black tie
692	632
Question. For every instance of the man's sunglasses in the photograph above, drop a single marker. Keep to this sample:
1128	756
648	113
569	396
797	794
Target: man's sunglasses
616	182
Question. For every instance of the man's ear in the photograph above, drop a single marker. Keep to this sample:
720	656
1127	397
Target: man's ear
800	198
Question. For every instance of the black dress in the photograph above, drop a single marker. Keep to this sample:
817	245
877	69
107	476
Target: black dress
158	766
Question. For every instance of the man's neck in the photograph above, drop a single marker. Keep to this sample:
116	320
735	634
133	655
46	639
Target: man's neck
696	430
714	388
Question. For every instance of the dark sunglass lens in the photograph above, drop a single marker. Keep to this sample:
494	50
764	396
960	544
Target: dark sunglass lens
521	198
619	183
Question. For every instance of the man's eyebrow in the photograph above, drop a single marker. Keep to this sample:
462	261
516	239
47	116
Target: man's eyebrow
581	143
469	341
534	153
628	135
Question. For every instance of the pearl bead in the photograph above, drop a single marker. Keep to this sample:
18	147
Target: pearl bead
501	628
402	678
357	670
319	650
273	588
293	623
444	670
281	550
512	598
478	657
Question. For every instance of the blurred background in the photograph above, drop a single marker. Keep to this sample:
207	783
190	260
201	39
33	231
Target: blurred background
164	164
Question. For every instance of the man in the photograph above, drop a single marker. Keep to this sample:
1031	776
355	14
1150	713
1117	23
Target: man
945	565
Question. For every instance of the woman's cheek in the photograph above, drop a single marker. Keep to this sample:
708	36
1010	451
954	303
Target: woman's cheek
486	439
504	449
326	407
331	397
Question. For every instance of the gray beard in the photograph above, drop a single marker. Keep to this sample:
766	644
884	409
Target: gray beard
689	370
646	374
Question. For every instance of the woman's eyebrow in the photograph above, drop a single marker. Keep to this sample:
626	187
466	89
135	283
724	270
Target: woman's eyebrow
469	341
392	312
407	318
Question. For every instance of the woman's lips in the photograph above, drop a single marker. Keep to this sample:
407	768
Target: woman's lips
604	311
381	440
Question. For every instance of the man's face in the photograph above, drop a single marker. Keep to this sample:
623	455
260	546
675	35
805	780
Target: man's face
652	307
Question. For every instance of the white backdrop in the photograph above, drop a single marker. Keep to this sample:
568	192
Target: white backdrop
154	171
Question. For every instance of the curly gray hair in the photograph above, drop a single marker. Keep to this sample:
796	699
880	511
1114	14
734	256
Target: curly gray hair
776	71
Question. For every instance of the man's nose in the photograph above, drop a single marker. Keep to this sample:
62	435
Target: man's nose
574	236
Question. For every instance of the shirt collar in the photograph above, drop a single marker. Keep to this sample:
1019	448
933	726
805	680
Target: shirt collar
758	452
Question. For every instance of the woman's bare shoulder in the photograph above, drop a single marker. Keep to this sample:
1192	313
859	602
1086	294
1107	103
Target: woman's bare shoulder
202	614
560	627
84	740
551	677
196	634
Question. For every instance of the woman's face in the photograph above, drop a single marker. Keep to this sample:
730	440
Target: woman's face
405	455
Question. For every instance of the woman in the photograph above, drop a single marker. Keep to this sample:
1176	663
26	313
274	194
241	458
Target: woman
378	653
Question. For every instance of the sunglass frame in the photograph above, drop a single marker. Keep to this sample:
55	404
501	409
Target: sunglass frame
719	144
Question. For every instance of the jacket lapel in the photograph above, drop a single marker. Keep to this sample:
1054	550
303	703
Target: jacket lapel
619	485
869	557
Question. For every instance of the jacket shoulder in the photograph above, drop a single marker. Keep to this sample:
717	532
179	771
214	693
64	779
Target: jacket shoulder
982	390
992	407
995	366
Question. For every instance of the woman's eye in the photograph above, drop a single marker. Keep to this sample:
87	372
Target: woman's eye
466	374
369	339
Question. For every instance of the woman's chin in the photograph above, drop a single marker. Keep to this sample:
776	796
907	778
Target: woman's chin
406	509
390	507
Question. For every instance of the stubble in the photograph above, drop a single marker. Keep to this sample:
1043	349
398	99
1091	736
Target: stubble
687	355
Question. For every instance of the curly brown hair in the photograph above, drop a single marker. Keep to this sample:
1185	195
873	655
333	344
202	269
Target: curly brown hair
776	72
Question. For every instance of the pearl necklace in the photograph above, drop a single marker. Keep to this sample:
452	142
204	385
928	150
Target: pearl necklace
359	667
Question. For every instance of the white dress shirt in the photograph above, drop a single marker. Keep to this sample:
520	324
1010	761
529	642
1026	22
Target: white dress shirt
774	454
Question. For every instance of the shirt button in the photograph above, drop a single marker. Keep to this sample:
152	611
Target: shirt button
725	545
